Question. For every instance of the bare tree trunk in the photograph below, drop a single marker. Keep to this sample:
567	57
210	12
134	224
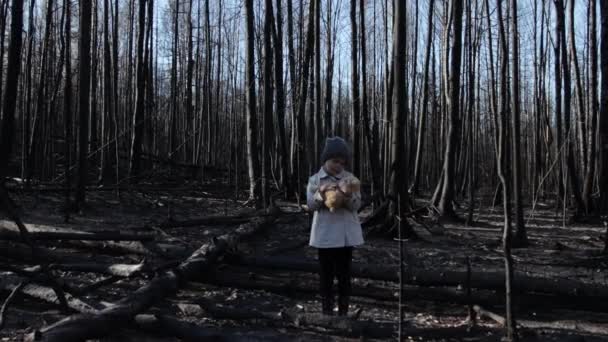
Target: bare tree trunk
501	159
268	136
94	66
280	94
41	105
558	111
85	84
603	117
107	94
138	116
329	71
67	106
425	99
572	177
580	99
447	194
3	20
318	135
10	89
398	195
174	111
520	232
355	88
304	78
374	161
252	157
470	166
189	69
593	108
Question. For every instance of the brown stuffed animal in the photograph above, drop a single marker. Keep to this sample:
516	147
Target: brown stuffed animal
336	196
350	185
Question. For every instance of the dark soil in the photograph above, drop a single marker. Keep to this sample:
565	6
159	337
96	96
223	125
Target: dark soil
557	250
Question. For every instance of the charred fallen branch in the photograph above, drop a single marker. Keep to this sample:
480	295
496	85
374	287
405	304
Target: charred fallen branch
85	236
579	326
10	282
489	280
214	220
85	326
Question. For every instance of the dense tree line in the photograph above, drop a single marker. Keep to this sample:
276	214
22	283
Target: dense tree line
476	96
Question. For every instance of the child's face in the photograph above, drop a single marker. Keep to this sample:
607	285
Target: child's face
335	165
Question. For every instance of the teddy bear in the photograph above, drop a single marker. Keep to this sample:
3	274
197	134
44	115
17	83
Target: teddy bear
336	195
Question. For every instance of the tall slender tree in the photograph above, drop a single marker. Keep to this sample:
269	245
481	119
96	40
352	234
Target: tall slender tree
84	73
520	234
355	87
280	96
268	133
501	161
398	162
12	82
603	115
593	108
445	205
252	157
138	115
425	100
67	105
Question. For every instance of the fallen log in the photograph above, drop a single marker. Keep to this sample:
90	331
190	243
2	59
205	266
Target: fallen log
578	326
8	206
340	326
119	270
9	282
141	248
161	325
87	236
20	252
489	280
7	302
344	326
213	220
85	326
295	289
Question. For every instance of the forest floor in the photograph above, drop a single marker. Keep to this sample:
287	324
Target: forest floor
243	302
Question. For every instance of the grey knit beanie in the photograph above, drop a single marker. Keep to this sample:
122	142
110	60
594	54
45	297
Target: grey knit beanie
335	147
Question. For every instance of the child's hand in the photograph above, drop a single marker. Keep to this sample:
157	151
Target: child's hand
345	188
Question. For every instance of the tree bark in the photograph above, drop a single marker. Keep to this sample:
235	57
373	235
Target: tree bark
424	103
138	116
445	206
398	167
502	167
572	177
593	109
521	238
268	136
603	115
84	97
252	156
10	89
355	89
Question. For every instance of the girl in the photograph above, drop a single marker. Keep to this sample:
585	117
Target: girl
334	233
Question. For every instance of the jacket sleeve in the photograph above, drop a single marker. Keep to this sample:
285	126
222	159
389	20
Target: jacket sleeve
353	203
314	200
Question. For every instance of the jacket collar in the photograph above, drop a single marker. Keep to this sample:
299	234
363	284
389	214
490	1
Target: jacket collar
324	174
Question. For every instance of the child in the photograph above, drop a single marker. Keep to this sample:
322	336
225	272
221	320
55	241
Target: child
335	232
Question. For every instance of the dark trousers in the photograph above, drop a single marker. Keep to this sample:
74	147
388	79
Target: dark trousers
335	263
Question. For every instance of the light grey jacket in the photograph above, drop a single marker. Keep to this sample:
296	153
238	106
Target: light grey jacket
340	228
